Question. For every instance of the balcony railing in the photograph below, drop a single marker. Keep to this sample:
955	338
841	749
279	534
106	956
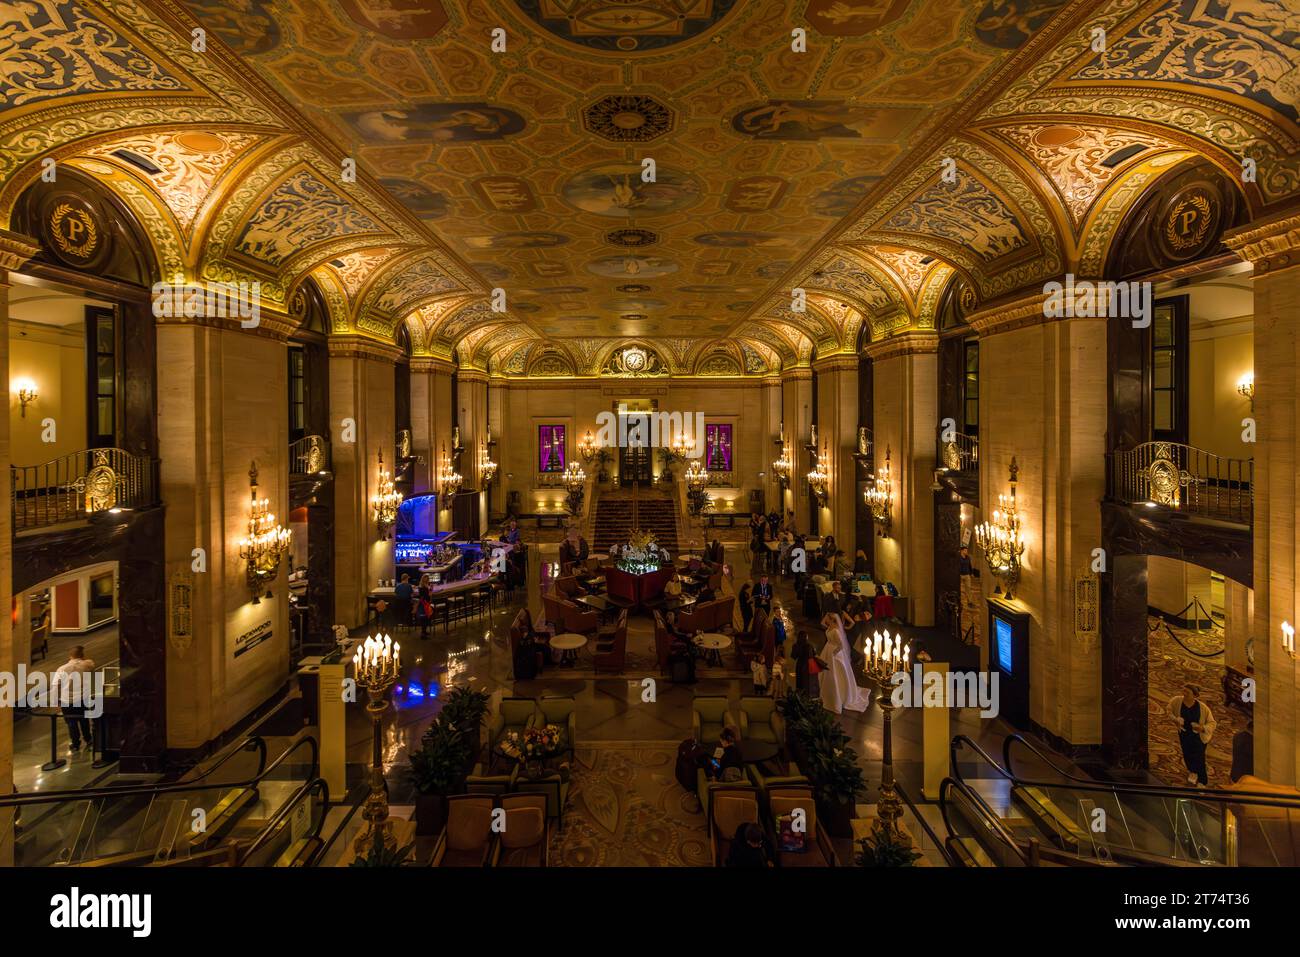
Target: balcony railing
1186	479
959	454
80	485
309	455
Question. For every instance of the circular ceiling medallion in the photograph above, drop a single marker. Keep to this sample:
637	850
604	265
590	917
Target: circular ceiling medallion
633	287
631	237
627	26
635	316
199	142
628	118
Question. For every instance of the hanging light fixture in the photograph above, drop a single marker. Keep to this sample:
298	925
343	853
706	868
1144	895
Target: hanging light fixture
783	466
1000	539
385	500
879	496
487	469
819	479
265	542
448	478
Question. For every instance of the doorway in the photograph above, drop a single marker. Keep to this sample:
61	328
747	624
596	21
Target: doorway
637	440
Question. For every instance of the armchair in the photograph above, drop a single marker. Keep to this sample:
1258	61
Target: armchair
577	621
695	618
613	656
732	806
784	799
663	643
765	782
527	832
561	711
554	785
709	716
568	586
723	609
553	608
479	781
466	840
760	720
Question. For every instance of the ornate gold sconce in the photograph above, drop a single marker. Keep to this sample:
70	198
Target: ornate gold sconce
575	481
697	480
487	469
448	478
1000	539
879	496
25	389
783	466
588	447
819	479
1246	388
385	500
265	542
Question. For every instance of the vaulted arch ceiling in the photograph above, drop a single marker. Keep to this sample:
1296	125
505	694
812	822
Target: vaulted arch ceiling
907	146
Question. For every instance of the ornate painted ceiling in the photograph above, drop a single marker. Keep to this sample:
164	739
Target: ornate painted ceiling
504	145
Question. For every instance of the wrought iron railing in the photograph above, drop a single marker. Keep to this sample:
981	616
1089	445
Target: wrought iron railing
80	485
959	453
1184	478
309	455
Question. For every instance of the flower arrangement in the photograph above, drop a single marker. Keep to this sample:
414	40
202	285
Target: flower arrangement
641	554
534	744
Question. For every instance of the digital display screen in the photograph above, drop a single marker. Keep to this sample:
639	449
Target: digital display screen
1002	633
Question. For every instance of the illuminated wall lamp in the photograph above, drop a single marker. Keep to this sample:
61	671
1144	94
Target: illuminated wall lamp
1000	539
25	389
1288	638
1246	388
264	544
879	496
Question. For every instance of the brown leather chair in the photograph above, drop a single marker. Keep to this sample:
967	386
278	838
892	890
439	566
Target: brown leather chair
695	618
615	657
579	622
663	643
730	805
466	840
568	586
527	833
723	610
553	609
785	799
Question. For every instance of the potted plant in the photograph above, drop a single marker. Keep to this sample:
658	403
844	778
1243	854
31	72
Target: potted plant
381	855
794	708
437	770
463	708
830	765
883	848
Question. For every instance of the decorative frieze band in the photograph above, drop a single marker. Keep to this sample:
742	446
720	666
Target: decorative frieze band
16	249
357	347
907	344
1269	246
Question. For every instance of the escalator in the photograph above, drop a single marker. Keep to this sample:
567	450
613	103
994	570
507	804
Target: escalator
997	817
211	819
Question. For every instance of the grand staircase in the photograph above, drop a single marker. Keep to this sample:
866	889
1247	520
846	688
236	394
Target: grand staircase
621	512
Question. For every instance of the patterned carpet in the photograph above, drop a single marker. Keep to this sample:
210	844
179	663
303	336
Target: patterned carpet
1170	667
626	809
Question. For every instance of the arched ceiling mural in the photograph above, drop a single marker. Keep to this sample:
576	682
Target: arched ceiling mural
914	141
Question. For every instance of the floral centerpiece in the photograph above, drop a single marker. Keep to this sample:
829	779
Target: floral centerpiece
641	554
533	746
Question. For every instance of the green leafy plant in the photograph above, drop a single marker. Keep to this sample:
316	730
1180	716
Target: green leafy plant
438	766
883	849
381	855
463	708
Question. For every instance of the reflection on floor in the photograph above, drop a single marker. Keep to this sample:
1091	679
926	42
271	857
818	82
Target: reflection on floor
1170	665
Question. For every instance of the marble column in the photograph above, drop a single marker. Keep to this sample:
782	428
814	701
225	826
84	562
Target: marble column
496	399
1272	247
471	396
837	434
796	412
905	371
432	414
1043	401
14	251
1238	622
769	448
361	396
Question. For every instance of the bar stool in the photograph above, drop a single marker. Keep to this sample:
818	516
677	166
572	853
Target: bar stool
456	607
440	610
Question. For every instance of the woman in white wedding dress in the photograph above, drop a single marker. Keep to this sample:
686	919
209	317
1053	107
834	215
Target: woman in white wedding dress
837	685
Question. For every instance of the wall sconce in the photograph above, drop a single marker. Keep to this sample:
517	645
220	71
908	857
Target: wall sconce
265	542
448	478
1288	638
879	496
385	500
587	447
862	455
575	480
1246	388
1000	540
819	479
696	478
783	466
25	389
487	469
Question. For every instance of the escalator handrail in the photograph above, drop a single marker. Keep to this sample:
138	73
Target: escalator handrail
1133	786
1208	795
315	784
51	797
925	825
993	822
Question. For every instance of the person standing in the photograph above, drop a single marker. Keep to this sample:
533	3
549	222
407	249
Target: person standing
70	683
763	594
1195	728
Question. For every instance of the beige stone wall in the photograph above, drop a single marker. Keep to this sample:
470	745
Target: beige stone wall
837	433
1171	586
1043	401
1215	408
7	657
220	408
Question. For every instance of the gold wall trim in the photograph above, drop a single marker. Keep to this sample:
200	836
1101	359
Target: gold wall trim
907	344
1271	245
16	249
356	347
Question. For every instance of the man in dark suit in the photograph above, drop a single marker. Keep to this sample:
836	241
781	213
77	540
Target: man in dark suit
763	594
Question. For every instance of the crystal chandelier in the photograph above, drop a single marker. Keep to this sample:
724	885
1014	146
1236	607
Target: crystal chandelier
385	500
819	479
265	542
487	469
575	480
587	447
448	478
1000	539
879	496
697	476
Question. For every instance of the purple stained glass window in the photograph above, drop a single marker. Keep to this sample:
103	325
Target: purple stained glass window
550	448
717	448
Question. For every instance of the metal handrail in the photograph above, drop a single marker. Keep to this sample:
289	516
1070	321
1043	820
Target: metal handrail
987	816
81	484
309	455
1183	478
281	817
961	453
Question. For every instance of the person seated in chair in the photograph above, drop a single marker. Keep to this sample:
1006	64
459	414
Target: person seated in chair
725	763
573	550
749	847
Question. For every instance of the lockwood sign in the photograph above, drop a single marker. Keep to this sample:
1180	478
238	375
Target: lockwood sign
253	637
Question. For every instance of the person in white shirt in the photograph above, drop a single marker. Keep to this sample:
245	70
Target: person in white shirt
70	683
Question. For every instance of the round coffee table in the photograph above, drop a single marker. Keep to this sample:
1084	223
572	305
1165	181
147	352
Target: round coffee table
754	751
569	643
714	644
